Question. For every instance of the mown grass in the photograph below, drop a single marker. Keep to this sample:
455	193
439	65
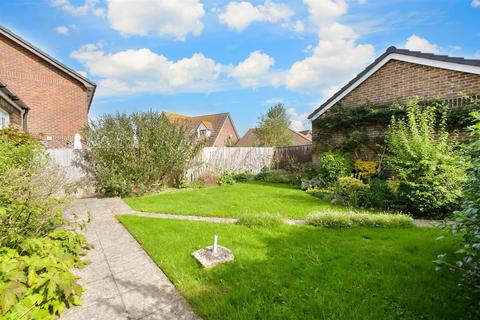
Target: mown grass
305	272
234	201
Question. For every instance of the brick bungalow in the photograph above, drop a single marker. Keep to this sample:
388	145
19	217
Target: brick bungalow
218	129
41	95
397	76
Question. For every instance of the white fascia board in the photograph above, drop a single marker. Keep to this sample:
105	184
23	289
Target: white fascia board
406	58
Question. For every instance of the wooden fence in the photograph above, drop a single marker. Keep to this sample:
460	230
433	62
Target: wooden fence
211	160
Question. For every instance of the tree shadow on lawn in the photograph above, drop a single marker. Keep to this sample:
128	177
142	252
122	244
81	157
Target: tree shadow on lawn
309	273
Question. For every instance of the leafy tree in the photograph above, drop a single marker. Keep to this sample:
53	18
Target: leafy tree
466	227
273	129
424	161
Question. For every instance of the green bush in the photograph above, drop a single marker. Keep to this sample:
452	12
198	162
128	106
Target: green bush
274	176
424	161
261	220
379	195
334	165
336	219
35	278
349	191
28	184
233	177
466	228
138	153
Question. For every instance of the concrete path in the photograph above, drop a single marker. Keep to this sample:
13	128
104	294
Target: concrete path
122	281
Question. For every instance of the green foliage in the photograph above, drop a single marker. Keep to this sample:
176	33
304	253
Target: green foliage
274	176
334	165
273	129
466	227
28	182
233	177
349	191
379	195
365	169
35	278
336	219
260	220
138	153
424	161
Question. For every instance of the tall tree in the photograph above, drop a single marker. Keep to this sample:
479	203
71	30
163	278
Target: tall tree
272	130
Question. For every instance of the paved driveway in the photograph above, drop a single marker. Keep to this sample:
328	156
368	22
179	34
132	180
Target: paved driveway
122	281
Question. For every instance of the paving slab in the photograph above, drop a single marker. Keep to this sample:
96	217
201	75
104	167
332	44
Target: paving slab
122	281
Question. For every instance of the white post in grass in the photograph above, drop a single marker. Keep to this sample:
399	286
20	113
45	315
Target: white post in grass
215	244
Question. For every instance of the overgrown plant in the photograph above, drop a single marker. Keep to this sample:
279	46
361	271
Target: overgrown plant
29	188
466	227
273	128
424	161
139	152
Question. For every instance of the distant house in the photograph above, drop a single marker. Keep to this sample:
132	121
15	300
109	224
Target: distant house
39	94
250	139
218	129
396	76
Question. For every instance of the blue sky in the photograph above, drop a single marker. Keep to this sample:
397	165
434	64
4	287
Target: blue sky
200	57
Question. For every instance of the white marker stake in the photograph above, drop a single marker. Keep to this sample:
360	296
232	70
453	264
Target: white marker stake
215	244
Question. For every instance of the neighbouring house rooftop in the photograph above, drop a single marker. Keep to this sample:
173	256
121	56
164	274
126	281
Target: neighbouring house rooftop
392	53
250	138
12	97
213	122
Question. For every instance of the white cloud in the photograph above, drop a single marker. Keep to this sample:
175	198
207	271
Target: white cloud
417	43
455	48
62	30
239	15
89	6
133	71
476	3
298	122
337	56
254	71
299	26
165	18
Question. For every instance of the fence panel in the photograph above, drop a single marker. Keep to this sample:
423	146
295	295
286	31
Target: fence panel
294	154
70	161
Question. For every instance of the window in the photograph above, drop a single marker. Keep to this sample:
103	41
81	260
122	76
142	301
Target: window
202	133
5	119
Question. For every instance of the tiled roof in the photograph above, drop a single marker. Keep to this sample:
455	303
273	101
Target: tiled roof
12	96
213	122
404	52
250	139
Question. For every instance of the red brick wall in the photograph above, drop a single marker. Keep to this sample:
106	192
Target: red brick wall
226	131
58	103
396	81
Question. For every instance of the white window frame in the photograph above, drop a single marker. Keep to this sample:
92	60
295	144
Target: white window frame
4	119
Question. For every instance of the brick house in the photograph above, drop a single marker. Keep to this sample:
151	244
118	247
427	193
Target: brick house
218	129
396	76
298	138
40	94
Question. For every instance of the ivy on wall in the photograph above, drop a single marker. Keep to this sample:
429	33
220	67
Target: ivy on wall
354	123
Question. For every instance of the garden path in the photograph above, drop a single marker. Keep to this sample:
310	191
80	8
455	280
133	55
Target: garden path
122	281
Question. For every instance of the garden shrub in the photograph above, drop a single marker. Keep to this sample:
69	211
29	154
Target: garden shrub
465	227
424	162
260	220
274	176
29	188
349	191
234	177
138	153
35	278
337	219
379	195
334	165
365	169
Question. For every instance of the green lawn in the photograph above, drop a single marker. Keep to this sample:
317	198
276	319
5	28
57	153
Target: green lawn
302	272
233	200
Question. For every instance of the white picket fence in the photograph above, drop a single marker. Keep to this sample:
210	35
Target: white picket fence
211	160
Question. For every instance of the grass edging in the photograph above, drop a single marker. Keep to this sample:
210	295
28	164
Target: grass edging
338	219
